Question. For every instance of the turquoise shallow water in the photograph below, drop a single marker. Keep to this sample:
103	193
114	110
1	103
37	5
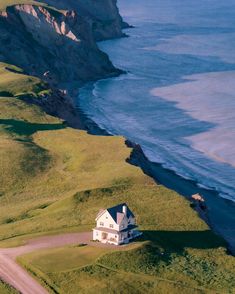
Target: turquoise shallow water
177	99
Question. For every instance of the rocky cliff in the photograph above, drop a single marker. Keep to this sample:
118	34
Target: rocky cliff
58	45
106	22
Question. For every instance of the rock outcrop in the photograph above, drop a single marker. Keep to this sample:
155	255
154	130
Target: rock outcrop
106	22
46	42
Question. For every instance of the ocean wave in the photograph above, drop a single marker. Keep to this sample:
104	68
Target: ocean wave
178	101
182	164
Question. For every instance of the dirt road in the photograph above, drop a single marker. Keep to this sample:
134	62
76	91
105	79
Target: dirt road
20	279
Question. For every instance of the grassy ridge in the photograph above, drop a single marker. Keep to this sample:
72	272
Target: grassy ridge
5	3
176	248
18	122
14	83
55	179
51	164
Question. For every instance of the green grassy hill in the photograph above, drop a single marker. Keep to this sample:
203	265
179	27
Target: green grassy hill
5	3
52	163
54	179
5	289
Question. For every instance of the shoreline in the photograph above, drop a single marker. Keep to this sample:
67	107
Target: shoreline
219	210
219	213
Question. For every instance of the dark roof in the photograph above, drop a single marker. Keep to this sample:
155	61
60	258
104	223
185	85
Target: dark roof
114	211
130	227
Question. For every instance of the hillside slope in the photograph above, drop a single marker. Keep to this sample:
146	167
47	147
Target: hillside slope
54	179
59	180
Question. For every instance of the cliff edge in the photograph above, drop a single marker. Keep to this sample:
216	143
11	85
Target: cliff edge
103	15
56	45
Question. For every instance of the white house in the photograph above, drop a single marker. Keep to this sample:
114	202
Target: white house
115	225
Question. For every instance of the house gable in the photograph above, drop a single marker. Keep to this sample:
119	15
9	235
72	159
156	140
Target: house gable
117	218
100	213
115	225
105	220
124	223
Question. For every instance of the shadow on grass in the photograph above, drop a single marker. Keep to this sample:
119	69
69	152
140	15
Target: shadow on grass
23	128
177	241
6	94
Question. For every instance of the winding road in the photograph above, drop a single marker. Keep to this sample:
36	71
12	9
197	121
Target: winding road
19	278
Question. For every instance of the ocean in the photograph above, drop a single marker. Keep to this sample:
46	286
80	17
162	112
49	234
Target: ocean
177	98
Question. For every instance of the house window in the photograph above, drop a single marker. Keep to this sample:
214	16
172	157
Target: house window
111	226
97	234
101	224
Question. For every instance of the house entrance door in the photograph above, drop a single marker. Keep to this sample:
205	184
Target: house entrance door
104	236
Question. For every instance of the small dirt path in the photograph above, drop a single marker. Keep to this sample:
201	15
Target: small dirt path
19	278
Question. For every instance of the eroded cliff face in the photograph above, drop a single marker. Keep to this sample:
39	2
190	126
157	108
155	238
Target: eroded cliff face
58	46
104	16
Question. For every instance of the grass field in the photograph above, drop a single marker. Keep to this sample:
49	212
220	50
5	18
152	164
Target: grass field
6	3
86	278
66	258
55	179
52	164
14	83
5	289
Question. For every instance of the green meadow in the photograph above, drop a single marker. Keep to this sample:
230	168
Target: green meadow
5	3
54	179
5	289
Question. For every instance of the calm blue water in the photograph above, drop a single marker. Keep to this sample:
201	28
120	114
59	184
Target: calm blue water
177	99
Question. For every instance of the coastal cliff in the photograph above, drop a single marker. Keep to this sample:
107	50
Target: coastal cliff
105	20
54	179
56	41
55	45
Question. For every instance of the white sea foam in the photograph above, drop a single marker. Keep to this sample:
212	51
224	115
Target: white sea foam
187	123
211	98
214	45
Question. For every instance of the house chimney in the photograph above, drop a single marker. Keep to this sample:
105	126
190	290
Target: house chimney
124	209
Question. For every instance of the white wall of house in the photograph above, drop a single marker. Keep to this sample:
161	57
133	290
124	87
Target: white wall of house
96	235
110	237
106	221
123	224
